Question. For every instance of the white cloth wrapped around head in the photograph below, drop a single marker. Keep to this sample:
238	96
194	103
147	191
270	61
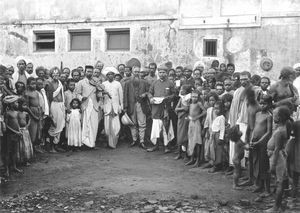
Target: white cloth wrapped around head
107	70
296	66
199	64
20	58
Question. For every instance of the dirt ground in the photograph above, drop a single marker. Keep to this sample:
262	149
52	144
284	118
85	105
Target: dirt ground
121	180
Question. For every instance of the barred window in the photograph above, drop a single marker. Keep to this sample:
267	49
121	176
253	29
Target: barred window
210	47
44	41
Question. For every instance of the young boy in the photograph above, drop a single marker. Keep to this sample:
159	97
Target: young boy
252	108
219	89
12	135
26	150
260	137
32	98
228	87
20	89
70	94
182	110
197	112
234	134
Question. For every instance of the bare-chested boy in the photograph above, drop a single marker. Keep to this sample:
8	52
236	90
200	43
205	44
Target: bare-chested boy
234	134
32	98
252	108
26	150
261	134
12	135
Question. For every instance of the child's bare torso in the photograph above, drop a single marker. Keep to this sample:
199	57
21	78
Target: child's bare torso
33	98
261	125
12	120
22	119
195	109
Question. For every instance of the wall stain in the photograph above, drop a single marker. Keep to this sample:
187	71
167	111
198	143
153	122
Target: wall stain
19	36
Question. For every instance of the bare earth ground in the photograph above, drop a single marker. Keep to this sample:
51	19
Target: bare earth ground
121	180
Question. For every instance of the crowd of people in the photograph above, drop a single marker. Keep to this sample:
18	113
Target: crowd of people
210	116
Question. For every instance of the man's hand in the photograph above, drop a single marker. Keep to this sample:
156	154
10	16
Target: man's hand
143	95
151	101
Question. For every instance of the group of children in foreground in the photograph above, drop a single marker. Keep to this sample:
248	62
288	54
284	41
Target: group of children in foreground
204	120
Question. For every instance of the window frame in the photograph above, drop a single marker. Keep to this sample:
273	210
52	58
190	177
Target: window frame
204	47
39	41
117	31
82	31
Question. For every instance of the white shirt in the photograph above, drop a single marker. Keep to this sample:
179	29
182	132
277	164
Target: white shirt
296	84
218	125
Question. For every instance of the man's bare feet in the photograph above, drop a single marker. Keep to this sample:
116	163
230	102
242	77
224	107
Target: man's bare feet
196	164
178	157
17	170
236	187
192	161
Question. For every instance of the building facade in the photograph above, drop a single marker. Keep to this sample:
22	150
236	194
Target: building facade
75	32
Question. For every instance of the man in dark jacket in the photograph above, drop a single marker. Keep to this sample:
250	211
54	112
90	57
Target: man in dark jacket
135	96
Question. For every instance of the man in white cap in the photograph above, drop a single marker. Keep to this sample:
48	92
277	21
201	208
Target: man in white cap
57	109
21	74
112	107
90	107
160	93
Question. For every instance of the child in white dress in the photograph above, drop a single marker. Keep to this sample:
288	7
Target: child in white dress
74	125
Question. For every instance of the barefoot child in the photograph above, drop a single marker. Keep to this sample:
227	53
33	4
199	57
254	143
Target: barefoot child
197	112
210	116
32	98
217	137
25	150
277	155
234	134
260	137
12	134
182	110
74	125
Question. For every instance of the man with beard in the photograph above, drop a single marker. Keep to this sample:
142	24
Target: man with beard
128	75
29	69
90	107
135	94
152	73
21	74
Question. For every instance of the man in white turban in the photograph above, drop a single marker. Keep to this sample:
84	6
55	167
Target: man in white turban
113	106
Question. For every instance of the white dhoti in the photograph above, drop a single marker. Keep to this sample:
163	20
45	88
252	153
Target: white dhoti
157	128
57	112
112	128
90	124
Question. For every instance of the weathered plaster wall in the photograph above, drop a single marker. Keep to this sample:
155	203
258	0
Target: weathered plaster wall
160	31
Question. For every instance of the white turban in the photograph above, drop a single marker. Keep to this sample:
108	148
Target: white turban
296	66
106	70
199	63
10	99
19	58
29	61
